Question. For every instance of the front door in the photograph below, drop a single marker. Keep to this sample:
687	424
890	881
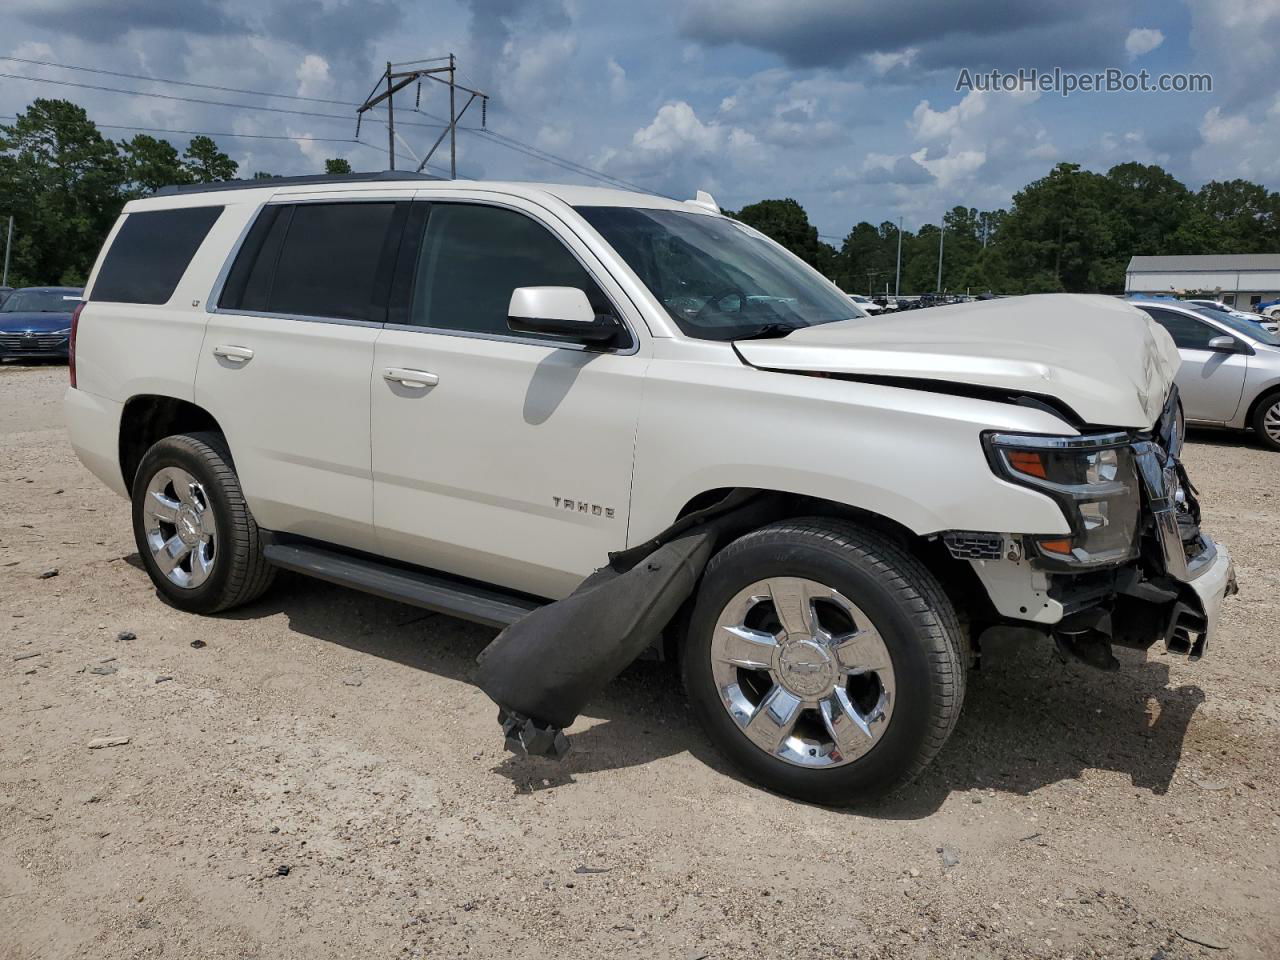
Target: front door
1210	382
502	458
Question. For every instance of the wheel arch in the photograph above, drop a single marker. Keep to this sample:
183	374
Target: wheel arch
957	578
147	418
1268	392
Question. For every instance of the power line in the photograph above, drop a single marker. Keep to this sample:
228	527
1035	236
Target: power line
205	133
492	136
183	83
211	103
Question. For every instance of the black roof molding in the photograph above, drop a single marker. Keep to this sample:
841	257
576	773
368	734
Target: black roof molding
319	178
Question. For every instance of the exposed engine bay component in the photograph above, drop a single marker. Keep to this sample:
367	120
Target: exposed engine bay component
974	544
542	670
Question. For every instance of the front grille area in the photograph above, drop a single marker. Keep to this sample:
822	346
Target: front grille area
974	545
37	342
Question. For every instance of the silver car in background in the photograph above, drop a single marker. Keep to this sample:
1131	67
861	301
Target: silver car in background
1230	374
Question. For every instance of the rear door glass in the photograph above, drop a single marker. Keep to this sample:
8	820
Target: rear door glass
150	253
324	260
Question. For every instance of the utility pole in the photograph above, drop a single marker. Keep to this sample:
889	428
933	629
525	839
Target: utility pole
8	242
897	282
415	72
942	232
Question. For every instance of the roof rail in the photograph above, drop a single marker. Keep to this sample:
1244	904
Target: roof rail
377	177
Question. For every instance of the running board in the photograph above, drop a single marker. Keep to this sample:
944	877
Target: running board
457	598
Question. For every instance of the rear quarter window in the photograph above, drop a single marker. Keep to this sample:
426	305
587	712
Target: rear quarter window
150	254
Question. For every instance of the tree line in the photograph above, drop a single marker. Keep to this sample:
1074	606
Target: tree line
64	184
1072	230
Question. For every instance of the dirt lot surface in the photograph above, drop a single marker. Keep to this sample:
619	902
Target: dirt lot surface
316	777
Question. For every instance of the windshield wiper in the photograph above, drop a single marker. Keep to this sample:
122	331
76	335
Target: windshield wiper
769	330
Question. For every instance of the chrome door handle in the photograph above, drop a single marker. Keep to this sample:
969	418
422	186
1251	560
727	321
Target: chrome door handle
414	379
234	354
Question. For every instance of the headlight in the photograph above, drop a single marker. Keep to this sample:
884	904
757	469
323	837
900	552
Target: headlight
1094	480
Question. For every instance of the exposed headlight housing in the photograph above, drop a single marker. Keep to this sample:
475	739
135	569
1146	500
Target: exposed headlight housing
1095	481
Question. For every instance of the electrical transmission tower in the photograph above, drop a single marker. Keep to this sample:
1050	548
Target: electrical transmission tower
397	76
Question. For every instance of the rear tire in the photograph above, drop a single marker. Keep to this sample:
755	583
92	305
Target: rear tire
192	526
866	662
1266	421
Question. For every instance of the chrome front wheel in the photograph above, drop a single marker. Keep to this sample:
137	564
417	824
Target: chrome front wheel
180	526
803	672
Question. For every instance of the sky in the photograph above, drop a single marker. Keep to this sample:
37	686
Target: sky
849	106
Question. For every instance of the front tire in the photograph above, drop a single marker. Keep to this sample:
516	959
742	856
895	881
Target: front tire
192	526
1266	421
824	661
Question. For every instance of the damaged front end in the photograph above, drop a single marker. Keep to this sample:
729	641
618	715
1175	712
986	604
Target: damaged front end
1135	570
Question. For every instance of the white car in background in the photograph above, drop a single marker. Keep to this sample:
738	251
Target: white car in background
865	304
1268	322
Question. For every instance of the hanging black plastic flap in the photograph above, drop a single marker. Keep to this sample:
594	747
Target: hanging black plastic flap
550	663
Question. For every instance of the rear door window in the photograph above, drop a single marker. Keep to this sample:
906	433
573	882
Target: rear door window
150	253
329	260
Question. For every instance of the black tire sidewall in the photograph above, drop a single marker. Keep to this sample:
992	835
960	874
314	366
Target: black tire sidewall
894	758
1259	415
179	452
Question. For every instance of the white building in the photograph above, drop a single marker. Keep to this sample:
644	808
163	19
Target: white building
1241	280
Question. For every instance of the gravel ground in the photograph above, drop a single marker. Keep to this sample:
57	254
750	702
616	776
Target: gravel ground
315	776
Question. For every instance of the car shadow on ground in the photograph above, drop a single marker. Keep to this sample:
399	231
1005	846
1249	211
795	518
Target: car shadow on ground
1029	720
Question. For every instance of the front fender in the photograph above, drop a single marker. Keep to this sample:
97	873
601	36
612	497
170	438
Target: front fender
909	455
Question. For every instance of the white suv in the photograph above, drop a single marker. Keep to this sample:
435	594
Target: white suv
470	396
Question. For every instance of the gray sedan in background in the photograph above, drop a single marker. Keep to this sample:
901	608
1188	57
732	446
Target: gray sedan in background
1230	374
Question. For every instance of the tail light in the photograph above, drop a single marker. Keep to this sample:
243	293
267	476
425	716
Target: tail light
71	343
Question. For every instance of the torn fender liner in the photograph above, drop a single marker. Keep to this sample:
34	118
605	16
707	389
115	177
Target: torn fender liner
542	670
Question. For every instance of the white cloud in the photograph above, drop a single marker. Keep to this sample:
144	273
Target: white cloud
1217	127
617	79
313	76
883	63
1142	40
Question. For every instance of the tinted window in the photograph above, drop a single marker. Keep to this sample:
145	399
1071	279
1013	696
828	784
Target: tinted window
150	254
473	257
1187	332
313	260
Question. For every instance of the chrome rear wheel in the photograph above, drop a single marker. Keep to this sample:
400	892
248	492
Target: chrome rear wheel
180	526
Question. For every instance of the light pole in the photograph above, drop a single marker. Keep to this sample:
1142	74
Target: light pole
942	232
8	242
897	280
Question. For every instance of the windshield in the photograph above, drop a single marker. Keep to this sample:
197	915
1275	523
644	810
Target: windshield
1247	328
718	279
39	301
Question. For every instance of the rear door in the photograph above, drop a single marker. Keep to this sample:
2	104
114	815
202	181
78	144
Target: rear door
502	458
1210	382
286	361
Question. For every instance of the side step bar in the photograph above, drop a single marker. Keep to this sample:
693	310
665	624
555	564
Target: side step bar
457	598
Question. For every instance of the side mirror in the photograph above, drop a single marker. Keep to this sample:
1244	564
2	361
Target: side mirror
560	312
1225	345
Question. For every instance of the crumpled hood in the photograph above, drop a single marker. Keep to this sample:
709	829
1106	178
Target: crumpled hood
1106	360
21	321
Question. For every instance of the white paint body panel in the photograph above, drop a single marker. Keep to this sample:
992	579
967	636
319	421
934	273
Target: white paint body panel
1106	360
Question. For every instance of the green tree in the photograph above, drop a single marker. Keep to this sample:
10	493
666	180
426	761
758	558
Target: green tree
337	165
205	163
786	222
1057	236
149	164
61	180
